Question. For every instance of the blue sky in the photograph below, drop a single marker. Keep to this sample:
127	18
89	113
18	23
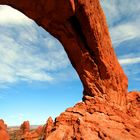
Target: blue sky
36	77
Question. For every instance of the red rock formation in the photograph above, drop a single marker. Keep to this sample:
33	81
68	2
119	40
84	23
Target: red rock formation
39	130
27	134
39	133
95	119
25	127
134	104
24	132
3	131
48	127
80	26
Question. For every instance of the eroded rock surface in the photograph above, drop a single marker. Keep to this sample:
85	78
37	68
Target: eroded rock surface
95	119
107	112
3	131
133	105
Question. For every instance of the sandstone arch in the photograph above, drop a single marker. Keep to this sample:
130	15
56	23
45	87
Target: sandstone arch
81	27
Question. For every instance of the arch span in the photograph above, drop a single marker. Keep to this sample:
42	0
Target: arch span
81	27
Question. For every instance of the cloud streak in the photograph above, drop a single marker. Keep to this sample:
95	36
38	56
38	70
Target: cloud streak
128	61
124	32
123	19
12	16
28	53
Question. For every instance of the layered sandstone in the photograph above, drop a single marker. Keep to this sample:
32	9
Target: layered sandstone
107	110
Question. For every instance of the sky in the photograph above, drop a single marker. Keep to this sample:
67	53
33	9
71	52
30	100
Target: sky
36	77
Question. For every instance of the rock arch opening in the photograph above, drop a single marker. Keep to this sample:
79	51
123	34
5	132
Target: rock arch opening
36	71
101	75
105	100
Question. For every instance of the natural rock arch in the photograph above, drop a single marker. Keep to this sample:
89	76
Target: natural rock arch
81	27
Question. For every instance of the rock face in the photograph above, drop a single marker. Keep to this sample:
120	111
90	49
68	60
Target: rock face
107	110
3	131
81	27
133	105
95	119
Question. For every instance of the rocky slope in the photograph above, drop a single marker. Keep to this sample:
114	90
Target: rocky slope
108	111
92	119
95	119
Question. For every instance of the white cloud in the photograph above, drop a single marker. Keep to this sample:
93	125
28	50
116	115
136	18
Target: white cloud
127	61
24	61
28	53
9	15
30	74
124	32
123	19
118	11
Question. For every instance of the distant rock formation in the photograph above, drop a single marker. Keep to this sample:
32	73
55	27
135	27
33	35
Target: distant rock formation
25	127
3	131
24	132
108	111
48	127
